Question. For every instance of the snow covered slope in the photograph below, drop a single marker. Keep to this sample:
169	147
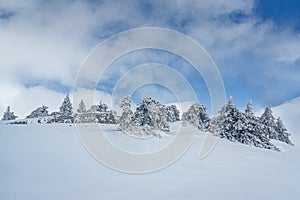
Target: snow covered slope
47	161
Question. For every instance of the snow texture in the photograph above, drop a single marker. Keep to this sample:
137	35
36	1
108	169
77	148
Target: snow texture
48	162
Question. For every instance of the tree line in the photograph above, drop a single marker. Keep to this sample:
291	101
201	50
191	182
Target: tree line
151	118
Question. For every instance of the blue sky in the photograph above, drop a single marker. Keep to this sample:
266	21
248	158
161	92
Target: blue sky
255	44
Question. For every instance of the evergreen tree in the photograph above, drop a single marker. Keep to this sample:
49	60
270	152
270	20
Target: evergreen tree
237	126
227	124
197	116
102	107
8	115
127	114
266	127
39	112
282	133
81	107
253	125
249	110
107	117
267	117
268	121
151	113
66	111
149	118
96	114
172	113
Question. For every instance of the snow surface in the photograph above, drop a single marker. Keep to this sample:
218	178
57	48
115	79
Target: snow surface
47	161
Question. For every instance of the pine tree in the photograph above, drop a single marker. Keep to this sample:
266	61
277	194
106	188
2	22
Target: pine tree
197	116
226	125
282	133
81	107
102	107
66	110
237	126
8	115
249	110
268	121
149	118
172	113
127	114
267	117
153	114
253	125
39	112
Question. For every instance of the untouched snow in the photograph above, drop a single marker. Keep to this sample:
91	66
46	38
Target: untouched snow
47	161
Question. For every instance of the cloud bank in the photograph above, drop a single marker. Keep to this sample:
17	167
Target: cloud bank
43	44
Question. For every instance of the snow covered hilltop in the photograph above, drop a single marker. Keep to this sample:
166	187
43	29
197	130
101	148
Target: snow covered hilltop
151	118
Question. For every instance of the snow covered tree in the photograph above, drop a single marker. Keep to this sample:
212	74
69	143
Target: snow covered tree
94	108
102	107
227	122
253	126
8	115
127	114
268	120
197	116
172	113
282	133
107	117
149	118
153	114
39	112
81	107
266	127
267	117
66	110
96	114
237	126
249	110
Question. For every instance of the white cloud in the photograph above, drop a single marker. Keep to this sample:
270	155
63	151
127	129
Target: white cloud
27	99
49	39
